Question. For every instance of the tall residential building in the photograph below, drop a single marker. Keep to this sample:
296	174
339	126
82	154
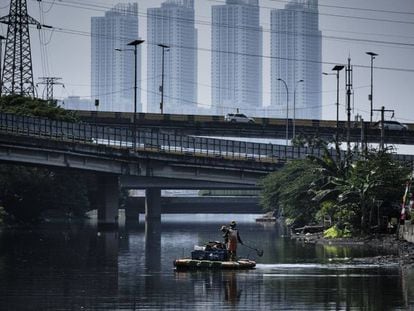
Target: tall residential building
296	50
112	71
236	64
172	25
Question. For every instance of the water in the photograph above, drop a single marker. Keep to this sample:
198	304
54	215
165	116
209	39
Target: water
76	267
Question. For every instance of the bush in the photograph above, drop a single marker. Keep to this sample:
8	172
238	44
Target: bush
334	232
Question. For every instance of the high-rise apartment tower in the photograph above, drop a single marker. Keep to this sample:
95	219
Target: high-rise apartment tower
296	50
112	71
172	25
236	64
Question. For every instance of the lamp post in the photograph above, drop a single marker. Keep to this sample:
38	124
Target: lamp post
294	108
337	68
135	44
287	109
370	97
164	47
1	73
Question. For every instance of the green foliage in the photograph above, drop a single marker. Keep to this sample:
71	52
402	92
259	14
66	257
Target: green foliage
287	189
335	232
26	106
27	194
353	193
302	140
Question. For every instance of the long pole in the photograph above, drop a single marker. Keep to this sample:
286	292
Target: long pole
337	104
294	109
371	96
348	104
135	96
287	110
1	73
162	83
135	43
163	46
372	87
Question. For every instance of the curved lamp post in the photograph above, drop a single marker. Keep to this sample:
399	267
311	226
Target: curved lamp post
134	43
337	68
287	109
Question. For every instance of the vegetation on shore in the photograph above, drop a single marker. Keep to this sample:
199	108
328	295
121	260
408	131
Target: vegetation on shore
29	194
358	193
26	106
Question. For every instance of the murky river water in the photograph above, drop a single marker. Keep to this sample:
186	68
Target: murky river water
76	267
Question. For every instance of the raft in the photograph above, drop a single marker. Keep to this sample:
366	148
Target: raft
194	264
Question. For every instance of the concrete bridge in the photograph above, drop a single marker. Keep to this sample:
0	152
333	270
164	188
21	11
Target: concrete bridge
141	159
204	125
147	160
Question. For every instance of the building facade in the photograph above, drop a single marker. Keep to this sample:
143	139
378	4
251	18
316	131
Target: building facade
112	71
172	25
236	64
296	50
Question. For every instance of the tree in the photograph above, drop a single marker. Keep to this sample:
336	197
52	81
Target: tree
372	180
287	190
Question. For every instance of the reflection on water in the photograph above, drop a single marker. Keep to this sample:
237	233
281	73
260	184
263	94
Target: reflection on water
77	267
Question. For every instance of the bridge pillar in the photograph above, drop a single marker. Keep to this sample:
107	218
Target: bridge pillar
153	204
109	201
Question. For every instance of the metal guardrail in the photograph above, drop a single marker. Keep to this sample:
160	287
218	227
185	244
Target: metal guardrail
145	139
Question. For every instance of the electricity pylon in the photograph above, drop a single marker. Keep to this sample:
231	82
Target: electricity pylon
50	82
17	70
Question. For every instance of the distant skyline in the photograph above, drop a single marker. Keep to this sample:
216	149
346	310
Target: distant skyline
236	71
296	50
172	25
349	28
112	71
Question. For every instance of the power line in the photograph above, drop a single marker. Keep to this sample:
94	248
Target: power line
352	8
88	34
101	8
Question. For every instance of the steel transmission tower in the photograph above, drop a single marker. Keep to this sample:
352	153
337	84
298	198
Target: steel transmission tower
50	82
17	70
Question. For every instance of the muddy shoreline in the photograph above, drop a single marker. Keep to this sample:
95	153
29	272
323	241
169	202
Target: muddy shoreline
403	251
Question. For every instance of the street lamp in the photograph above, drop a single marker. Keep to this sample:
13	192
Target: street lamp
134	43
337	68
1	75
294	108
370	97
163	46
287	109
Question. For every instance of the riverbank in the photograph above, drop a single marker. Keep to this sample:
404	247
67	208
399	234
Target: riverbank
402	251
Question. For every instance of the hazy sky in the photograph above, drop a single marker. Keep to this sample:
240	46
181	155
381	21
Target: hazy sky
349	28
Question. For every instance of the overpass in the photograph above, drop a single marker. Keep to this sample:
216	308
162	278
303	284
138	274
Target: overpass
203	125
199	205
141	159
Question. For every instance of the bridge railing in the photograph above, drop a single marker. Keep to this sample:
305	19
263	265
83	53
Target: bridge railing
155	140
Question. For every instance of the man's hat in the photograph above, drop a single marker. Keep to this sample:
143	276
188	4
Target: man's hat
233	224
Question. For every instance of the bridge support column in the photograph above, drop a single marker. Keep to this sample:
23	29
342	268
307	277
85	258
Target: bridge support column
109	201
153	204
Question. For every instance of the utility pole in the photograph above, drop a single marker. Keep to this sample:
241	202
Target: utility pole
348	78
164	47
50	82
383	110
17	72
370	96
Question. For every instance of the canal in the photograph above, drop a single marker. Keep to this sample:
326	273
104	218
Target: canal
76	267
